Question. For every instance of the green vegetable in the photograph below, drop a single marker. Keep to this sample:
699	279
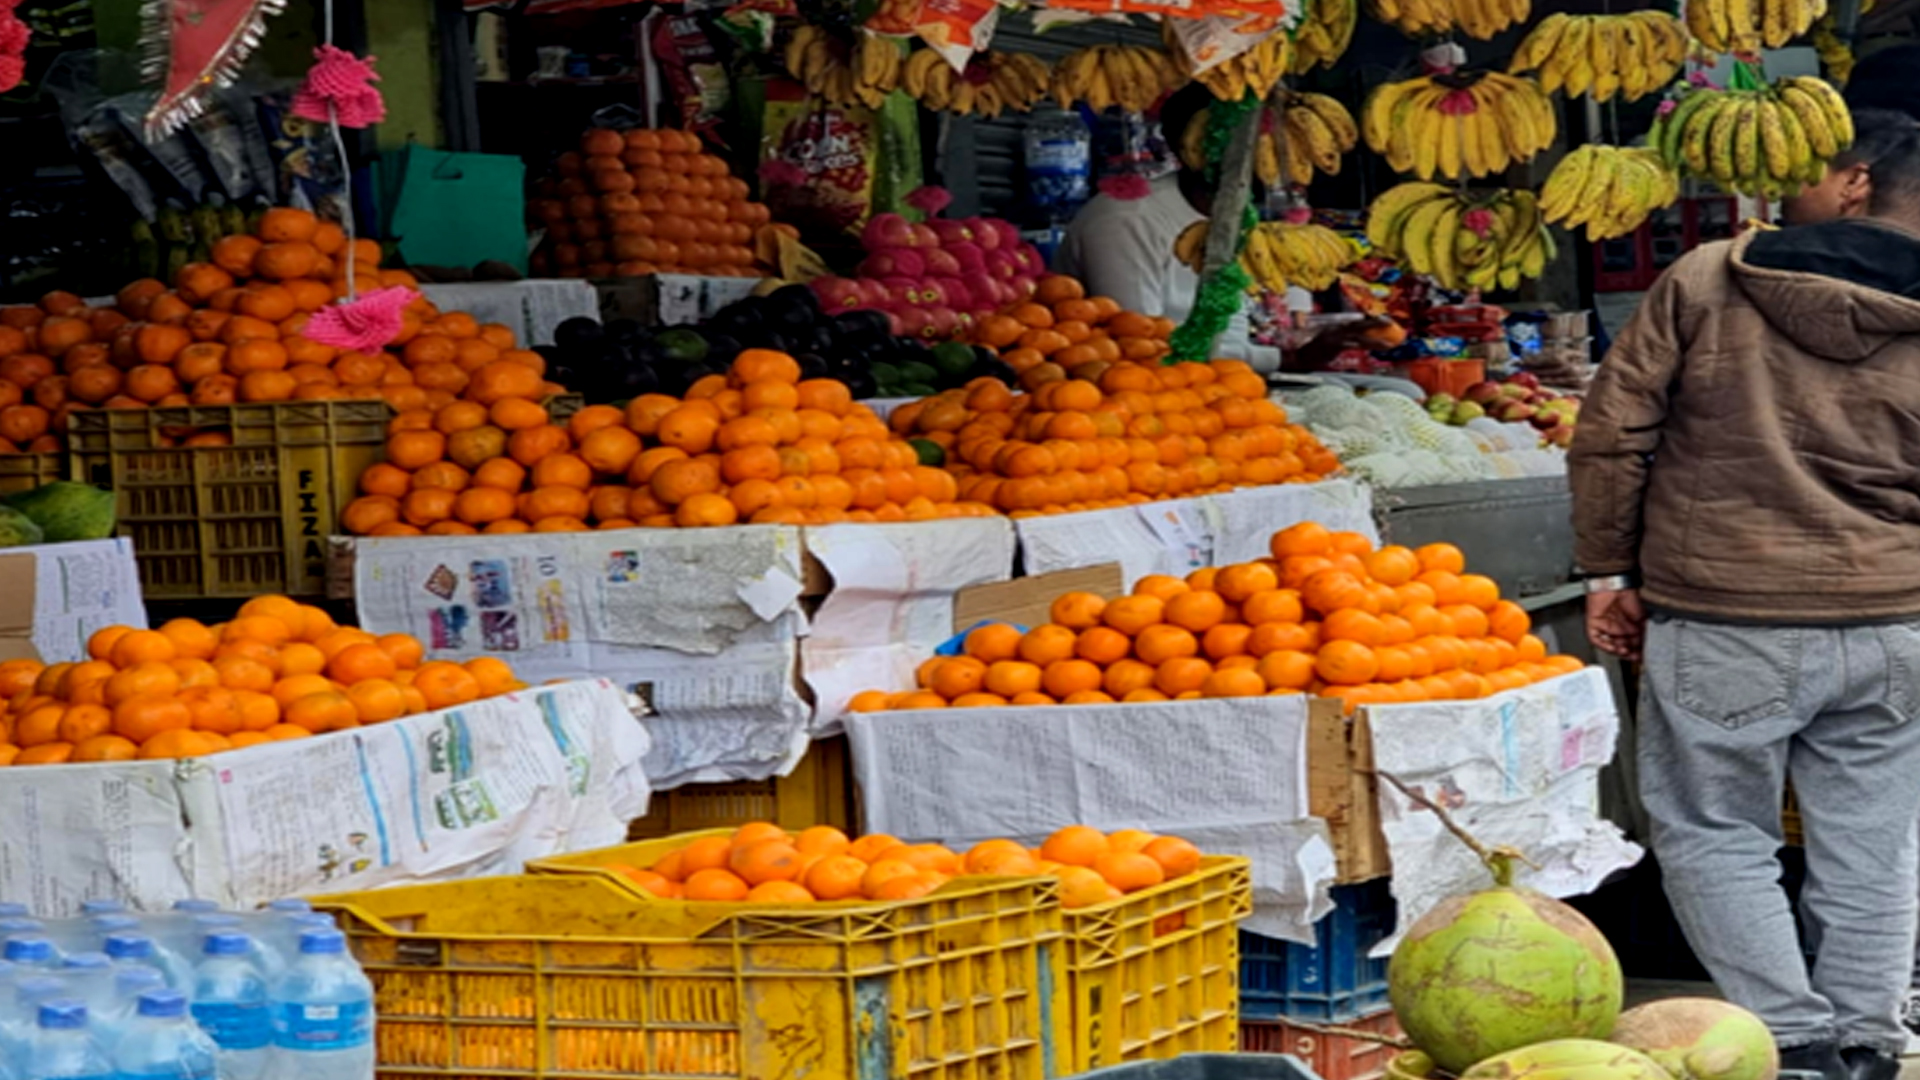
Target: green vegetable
929	452
17	529
66	511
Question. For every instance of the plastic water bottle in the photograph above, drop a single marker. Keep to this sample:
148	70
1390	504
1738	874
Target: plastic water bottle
128	984
281	937
21	926
230	1004
175	930
1058	151
323	1013
90	908
163	1043
31	951
138	950
11	909
89	980
62	1048
270	961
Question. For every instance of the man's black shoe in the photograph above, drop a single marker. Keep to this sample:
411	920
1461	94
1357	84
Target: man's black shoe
1866	1063
1814	1061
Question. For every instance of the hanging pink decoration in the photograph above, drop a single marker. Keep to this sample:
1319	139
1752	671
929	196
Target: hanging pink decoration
1125	186
196	45
366	324
13	46
345	82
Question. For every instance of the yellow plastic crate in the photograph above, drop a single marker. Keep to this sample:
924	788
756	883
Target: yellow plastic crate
1157	974
24	472
569	976
819	791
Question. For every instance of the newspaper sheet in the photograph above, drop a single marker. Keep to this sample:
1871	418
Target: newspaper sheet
532	308
892	601
703	624
461	792
79	588
1228	774
1178	536
1521	769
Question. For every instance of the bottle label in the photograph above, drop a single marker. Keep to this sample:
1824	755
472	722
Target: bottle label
324	1027
235	1026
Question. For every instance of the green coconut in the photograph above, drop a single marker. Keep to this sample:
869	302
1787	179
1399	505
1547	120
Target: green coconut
1502	969
1410	1065
1700	1039
1568	1059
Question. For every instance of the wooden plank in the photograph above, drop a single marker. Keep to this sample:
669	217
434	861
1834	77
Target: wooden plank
1026	601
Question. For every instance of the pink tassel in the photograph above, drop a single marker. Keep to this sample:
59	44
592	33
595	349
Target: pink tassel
344	81
366	324
929	200
1125	186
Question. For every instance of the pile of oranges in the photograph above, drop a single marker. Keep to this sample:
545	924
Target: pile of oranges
762	863
641	202
279	670
1062	328
757	445
1327	615
1112	434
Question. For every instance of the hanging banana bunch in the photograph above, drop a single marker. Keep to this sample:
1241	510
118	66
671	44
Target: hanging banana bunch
1277	254
1130	76
862	73
1609	189
1309	133
1324	33
1481	19
1458	125
1743	26
1462	239
1631	55
1770	141
994	83
1253	72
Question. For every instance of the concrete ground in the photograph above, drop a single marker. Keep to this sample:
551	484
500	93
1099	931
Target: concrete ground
1644	990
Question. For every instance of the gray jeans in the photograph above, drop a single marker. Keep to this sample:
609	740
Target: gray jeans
1727	714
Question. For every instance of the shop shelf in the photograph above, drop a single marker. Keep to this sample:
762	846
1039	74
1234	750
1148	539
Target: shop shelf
24	472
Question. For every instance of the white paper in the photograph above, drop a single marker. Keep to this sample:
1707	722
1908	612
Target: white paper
79	588
892	601
1227	774
1177	536
474	790
704	624
690	298
1519	769
532	308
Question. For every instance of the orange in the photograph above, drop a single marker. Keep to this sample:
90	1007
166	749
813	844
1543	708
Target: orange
141	717
1509	621
957	676
1082	887
150	678
1101	645
715	884
356	663
1180	675
765	860
1177	857
1443	557
1129	871
1479	590
1075	845
53	753
1010	678
140	646
1233	682
1163	586
1077	610
1287	669
994	641
1124	677
1227	640
1240	581
492	674
1132	614
836	877
445	684
328	710
1306	538
821	840
1044	644
1197	611
190	639
1346	663
1066	677
105	748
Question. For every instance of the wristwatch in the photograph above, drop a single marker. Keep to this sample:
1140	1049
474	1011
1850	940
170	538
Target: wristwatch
1611	583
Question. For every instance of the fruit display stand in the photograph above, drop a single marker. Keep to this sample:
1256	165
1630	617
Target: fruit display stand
531	308
819	791
57	595
476	789
24	472
1518	532
669	299
564	975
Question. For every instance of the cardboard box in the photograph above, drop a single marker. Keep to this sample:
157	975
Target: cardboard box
57	595
1342	790
669	299
1028	601
16	607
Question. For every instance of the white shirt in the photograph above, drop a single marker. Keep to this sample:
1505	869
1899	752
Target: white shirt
1123	248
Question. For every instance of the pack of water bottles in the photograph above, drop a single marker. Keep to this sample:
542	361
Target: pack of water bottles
196	993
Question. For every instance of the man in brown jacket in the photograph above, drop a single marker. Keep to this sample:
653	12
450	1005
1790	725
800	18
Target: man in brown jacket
1746	481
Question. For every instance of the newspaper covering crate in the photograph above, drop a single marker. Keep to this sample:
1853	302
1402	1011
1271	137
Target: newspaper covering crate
1356	1050
238	520
24	472
1155	974
58	595
565	975
817	792
1331	980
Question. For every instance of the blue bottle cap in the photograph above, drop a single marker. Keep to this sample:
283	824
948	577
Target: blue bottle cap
115	924
321	942
227	945
12	910
21	925
101	907
197	907
290	903
64	1014
129	946
163	1003
28	950
133	981
86	961
210	923
38	988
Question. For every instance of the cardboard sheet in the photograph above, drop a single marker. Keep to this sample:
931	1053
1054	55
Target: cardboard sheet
57	595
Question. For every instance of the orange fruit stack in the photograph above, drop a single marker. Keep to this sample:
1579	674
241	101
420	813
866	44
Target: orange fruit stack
1062	328
1128	432
1327	614
762	863
230	331
757	445
645	201
279	670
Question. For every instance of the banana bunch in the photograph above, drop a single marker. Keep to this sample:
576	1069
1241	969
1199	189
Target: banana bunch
1757	142
1458	125
861	74
1130	76
1462	239
1743	26
1631	55
1482	19
1310	133
1277	254
1609	189
1836	56
1253	72
993	83
1323	34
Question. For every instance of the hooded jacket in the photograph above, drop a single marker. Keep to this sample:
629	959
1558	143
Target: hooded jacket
1751	445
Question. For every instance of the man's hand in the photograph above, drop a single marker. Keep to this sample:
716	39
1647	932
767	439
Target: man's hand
1616	622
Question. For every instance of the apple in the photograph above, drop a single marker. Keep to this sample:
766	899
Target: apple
1561	436
1483	392
1466	412
1440	403
1545	421
1512	391
1511	411
1525	378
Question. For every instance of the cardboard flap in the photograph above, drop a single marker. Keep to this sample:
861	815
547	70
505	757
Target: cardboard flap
1027	601
16	607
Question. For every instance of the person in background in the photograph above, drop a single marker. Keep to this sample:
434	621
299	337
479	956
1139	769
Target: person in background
1746	510
1888	79
1847	189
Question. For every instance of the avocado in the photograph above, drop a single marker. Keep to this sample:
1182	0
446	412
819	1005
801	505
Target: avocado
917	372
929	452
952	358
578	331
683	346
